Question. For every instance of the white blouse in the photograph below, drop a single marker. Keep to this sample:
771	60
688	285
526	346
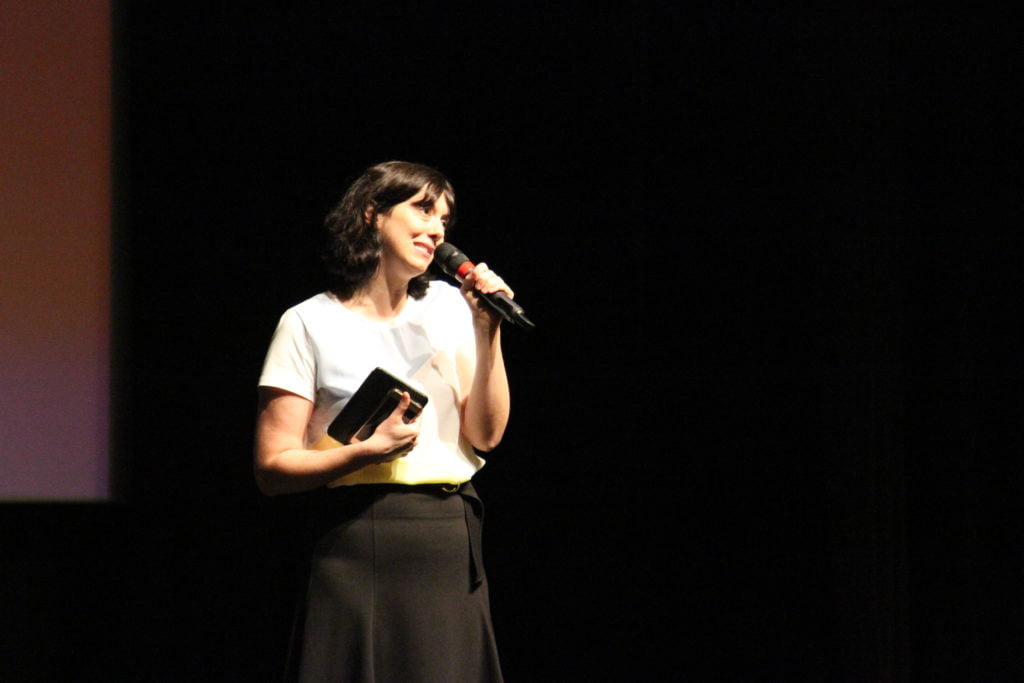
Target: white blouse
323	351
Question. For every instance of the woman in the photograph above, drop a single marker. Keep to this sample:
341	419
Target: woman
397	590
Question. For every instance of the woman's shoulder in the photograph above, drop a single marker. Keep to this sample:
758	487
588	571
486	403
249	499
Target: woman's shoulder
310	313
443	296
314	305
441	306
442	290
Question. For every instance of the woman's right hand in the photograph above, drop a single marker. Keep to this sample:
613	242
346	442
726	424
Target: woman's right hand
394	437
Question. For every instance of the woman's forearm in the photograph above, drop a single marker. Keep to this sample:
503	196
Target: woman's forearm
486	409
297	470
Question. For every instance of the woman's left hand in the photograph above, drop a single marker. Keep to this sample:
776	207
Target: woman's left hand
483	280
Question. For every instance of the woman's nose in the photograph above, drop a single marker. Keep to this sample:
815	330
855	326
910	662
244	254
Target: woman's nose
436	229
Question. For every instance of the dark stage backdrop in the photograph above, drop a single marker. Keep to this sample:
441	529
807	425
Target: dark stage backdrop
760	430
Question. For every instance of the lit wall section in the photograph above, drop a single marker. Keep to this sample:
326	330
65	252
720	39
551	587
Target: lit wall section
55	143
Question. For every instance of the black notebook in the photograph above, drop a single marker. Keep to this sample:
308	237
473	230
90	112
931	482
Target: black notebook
373	401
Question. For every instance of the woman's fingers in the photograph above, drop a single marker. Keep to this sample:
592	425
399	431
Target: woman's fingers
403	405
398	436
485	281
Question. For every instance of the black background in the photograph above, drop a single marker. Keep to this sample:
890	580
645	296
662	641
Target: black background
763	428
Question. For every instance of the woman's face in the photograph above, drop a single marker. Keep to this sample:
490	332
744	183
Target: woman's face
410	231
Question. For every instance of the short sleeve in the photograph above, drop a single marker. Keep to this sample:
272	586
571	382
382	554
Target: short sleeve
291	361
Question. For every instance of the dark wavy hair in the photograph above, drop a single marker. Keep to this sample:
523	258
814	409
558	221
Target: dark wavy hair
353	243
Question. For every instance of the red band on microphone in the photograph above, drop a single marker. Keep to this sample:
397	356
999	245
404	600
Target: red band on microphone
464	269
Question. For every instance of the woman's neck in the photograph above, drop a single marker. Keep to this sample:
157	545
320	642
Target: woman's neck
380	299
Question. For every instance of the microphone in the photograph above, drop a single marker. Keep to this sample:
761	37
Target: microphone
456	264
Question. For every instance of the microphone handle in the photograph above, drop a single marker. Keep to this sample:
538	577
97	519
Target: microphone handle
508	309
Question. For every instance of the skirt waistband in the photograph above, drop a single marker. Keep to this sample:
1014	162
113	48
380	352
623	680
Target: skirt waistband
435	489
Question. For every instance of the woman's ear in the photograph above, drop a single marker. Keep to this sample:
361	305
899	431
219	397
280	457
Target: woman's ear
368	215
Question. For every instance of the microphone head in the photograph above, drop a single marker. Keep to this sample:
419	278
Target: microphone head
449	258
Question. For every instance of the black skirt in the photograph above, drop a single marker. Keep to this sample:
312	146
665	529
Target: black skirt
397	591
